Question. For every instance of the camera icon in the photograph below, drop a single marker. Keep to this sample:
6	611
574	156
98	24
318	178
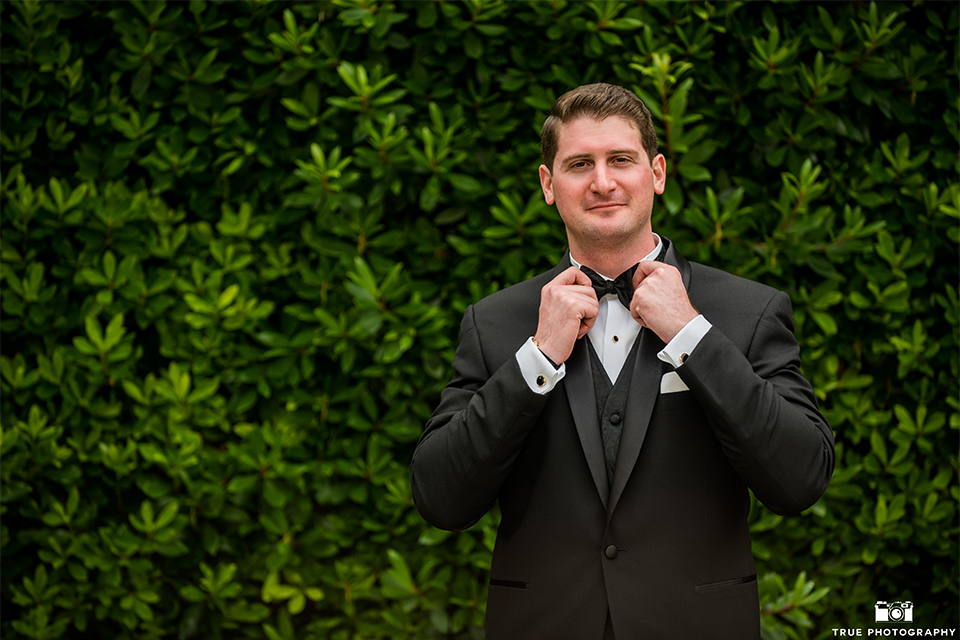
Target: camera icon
896	611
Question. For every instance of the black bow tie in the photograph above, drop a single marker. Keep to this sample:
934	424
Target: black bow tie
622	287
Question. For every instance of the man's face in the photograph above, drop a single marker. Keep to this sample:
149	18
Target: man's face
602	183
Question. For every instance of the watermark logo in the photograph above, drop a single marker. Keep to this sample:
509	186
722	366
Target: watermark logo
896	611
900	613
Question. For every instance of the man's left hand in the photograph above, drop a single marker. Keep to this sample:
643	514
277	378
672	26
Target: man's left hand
660	300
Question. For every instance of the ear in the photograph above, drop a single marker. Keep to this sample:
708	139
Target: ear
546	183
659	166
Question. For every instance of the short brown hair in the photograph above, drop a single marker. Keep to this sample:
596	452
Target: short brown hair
598	101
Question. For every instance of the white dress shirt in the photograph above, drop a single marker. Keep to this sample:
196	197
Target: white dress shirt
612	336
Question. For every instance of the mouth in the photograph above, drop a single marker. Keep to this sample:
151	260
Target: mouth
606	206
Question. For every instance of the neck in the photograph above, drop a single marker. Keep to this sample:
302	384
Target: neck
612	261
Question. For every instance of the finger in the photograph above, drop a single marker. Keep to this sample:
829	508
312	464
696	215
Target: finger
589	318
572	294
585	325
572	275
588	315
587	291
635	314
576	295
589	307
645	268
582	278
577	292
574	298
642	272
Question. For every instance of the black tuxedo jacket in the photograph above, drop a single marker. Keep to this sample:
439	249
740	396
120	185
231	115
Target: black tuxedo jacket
666	548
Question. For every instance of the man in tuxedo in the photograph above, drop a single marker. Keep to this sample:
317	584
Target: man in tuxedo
621	419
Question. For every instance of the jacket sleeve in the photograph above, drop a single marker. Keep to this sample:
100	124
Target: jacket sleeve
764	412
472	439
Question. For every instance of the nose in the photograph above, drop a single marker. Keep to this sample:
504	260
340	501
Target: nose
603	180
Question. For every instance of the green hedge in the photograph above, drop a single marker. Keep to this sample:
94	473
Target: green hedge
238	238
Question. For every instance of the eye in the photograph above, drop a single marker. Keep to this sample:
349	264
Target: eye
579	164
622	160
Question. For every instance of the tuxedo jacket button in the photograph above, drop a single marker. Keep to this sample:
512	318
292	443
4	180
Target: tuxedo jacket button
610	552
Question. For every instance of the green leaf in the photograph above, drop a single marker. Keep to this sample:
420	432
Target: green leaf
167	515
695	172
825	321
115	332
227	297
432	537
465	183
109	265
243	484
191	593
879	446
673	196
95	333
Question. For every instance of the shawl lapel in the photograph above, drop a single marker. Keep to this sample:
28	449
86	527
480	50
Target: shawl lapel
583	404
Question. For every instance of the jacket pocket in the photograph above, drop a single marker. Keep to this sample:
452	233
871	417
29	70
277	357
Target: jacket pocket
678	400
713	586
512	584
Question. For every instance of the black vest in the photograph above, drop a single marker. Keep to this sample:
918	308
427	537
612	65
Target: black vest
612	402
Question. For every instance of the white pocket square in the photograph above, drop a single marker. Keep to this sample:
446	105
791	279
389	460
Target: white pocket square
671	383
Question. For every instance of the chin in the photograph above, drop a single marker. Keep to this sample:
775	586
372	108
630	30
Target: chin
603	236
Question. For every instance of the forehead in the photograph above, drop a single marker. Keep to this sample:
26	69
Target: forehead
587	136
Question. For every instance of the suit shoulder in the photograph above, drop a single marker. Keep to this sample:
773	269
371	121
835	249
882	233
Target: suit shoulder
705	279
735	305
723	293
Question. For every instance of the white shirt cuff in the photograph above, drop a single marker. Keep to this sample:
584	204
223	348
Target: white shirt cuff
537	370
685	342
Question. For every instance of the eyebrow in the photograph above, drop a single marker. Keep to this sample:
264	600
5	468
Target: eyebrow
612	152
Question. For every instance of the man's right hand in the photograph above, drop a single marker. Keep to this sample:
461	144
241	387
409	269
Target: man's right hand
568	309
